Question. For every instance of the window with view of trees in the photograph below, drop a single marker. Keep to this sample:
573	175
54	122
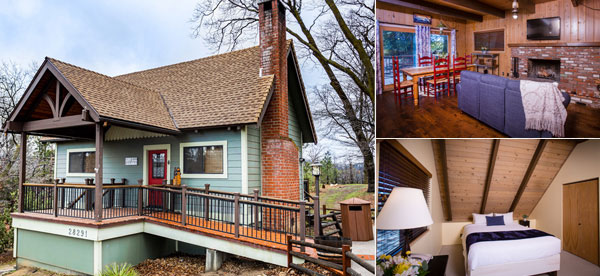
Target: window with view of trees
401	43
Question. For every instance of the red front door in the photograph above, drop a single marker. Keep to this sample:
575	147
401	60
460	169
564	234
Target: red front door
157	172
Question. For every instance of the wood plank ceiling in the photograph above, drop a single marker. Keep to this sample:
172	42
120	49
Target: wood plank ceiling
496	175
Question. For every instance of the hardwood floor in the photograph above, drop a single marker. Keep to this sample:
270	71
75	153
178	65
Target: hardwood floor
441	118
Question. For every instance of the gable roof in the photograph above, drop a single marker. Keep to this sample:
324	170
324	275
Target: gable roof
117	99
219	90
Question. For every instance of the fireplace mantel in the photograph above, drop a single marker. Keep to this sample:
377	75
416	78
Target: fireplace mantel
561	44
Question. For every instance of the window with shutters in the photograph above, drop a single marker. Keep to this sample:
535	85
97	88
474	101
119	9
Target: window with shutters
492	40
396	169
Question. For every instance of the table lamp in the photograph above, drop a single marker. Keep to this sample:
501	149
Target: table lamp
405	209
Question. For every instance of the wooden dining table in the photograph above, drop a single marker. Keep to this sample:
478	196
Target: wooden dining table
420	72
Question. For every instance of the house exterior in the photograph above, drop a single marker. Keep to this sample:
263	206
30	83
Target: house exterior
236	121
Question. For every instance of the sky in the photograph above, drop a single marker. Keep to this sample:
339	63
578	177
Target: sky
114	37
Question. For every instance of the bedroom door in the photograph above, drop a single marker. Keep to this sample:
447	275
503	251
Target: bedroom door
580	219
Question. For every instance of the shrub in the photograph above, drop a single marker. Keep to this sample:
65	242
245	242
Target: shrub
119	270
6	230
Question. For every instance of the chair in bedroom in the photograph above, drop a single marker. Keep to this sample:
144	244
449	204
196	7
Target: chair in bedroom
441	77
400	87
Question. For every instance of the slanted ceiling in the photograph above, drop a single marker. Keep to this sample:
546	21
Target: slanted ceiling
496	175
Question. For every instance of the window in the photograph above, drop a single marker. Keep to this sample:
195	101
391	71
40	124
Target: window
398	44
81	162
397	169
439	45
399	41
493	40
204	159
158	165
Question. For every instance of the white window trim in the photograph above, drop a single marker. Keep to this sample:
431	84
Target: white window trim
156	147
69	151
204	175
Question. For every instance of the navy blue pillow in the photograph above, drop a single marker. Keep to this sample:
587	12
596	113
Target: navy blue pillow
491	221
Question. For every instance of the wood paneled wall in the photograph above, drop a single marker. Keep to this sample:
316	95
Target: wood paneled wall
578	24
405	17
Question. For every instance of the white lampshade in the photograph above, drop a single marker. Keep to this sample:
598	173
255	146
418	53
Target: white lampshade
404	209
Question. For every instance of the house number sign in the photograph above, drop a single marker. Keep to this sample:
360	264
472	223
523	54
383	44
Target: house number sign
74	232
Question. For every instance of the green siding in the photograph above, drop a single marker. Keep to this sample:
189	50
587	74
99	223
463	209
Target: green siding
296	135
254	176
67	253
136	248
191	249
116	151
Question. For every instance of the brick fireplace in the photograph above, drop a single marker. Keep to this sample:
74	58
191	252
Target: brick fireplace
577	69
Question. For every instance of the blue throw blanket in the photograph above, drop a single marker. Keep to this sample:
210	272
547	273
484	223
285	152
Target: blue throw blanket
503	236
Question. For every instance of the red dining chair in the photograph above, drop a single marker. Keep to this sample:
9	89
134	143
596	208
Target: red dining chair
440	81
423	61
458	66
400	87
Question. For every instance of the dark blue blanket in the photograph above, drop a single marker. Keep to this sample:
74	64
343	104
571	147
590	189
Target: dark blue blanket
503	236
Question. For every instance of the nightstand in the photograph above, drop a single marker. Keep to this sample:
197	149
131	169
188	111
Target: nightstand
524	223
437	265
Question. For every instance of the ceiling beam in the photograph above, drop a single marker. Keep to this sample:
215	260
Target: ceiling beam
442	149
490	172
393	5
478	6
534	160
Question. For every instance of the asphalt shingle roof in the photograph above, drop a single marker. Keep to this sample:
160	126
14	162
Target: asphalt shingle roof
219	90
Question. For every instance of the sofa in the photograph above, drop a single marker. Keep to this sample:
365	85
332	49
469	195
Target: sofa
496	101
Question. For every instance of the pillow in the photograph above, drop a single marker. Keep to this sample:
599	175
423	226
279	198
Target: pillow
508	217
480	218
491	221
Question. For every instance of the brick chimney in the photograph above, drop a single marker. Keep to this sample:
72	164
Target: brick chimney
279	154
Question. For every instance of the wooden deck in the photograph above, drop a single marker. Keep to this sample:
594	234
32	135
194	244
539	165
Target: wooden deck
248	235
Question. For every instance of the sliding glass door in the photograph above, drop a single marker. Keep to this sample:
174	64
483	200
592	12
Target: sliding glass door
397	42
400	41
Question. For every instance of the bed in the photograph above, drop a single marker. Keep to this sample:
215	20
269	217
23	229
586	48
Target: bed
523	256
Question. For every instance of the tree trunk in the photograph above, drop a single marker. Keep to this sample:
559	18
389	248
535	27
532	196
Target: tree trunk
369	166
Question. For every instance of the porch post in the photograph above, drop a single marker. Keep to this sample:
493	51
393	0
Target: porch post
22	169
98	169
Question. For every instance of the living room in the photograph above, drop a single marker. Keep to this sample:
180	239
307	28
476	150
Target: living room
494	51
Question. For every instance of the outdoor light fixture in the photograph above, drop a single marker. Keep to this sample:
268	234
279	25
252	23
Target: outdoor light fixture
515	9
316	169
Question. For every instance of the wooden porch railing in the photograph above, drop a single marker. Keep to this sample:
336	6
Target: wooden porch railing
345	268
250	216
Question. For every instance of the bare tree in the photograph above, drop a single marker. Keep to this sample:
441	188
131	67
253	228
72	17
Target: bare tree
13	82
337	35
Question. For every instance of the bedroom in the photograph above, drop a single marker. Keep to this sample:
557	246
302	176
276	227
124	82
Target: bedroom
488	206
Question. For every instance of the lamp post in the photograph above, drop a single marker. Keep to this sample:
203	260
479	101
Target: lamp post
405	209
316	171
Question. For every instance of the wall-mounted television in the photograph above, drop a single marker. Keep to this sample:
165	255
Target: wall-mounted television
543	28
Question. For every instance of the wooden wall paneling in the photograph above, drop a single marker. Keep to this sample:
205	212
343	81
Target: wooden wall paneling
467	167
530	168
578	24
551	160
514	156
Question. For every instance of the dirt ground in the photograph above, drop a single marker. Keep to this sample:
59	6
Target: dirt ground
332	194
182	265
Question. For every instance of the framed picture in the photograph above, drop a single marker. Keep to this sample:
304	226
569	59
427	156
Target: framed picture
420	18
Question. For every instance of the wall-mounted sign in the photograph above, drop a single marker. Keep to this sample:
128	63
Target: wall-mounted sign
131	161
421	18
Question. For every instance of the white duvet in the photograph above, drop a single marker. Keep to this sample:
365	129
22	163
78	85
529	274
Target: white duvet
500	252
